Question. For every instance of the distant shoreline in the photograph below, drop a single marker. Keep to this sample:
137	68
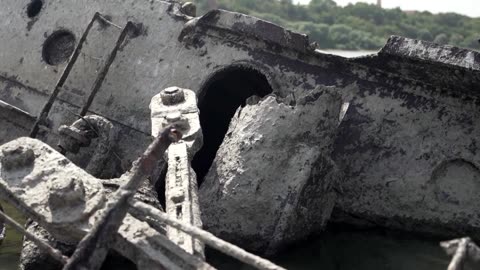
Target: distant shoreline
348	53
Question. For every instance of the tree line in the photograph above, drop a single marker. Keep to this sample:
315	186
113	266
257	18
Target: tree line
357	26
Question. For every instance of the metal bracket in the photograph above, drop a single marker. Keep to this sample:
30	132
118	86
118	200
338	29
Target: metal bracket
129	27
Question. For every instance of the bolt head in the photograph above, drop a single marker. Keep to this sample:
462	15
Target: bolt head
172	96
17	157
68	192
189	9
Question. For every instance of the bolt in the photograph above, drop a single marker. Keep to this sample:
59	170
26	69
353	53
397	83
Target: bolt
16	157
68	192
172	96
189	9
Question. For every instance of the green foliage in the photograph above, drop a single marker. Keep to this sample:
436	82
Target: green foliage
360	26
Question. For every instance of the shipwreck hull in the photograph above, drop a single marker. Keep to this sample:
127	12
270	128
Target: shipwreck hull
406	146
409	142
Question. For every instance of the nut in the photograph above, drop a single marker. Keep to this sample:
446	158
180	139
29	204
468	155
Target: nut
17	157
66	193
189	9
172	95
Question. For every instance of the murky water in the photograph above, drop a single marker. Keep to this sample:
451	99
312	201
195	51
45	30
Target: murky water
348	54
12	244
336	249
348	249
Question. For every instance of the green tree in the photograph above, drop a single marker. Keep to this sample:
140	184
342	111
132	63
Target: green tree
424	34
358	26
441	39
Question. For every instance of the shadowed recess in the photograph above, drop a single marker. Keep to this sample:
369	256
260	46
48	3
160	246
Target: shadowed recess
58	47
220	97
34	7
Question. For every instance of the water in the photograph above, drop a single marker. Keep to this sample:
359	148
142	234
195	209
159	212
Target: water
12	244
342	250
348	249
366	250
348	54
335	249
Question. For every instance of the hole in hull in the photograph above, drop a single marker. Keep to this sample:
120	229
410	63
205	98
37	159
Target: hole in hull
221	96
58	47
34	8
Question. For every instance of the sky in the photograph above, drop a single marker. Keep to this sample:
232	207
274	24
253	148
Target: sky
467	7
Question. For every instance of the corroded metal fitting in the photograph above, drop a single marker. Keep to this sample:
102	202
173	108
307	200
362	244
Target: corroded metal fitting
177	107
72	138
172	96
189	9
178	121
17	157
66	193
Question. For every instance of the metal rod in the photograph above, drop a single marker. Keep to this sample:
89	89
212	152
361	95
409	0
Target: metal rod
460	256
154	216
56	254
61	81
107	21
93	248
103	73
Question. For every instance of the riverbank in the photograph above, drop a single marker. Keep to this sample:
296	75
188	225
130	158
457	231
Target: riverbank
348	54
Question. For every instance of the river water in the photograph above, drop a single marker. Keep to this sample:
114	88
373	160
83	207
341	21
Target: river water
335	249
348	54
12	244
350	249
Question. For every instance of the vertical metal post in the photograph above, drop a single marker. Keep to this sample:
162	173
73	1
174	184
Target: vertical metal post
177	105
101	76
181	193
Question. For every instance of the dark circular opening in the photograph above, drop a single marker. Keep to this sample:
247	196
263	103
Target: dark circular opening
34	8
218	100
58	47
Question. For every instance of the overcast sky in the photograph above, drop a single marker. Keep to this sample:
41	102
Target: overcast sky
467	7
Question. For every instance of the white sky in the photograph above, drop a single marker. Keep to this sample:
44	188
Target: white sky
466	7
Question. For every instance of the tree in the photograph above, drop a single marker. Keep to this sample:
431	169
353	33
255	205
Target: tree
212	4
472	41
424	34
441	39
359	26
340	33
456	39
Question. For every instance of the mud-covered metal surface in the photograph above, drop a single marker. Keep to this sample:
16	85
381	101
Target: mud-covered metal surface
275	169
409	142
407	147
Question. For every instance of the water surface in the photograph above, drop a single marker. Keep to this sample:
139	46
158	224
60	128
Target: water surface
12	244
350	249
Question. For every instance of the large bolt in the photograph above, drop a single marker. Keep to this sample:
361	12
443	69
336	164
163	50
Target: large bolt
68	192
17	157
172	96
